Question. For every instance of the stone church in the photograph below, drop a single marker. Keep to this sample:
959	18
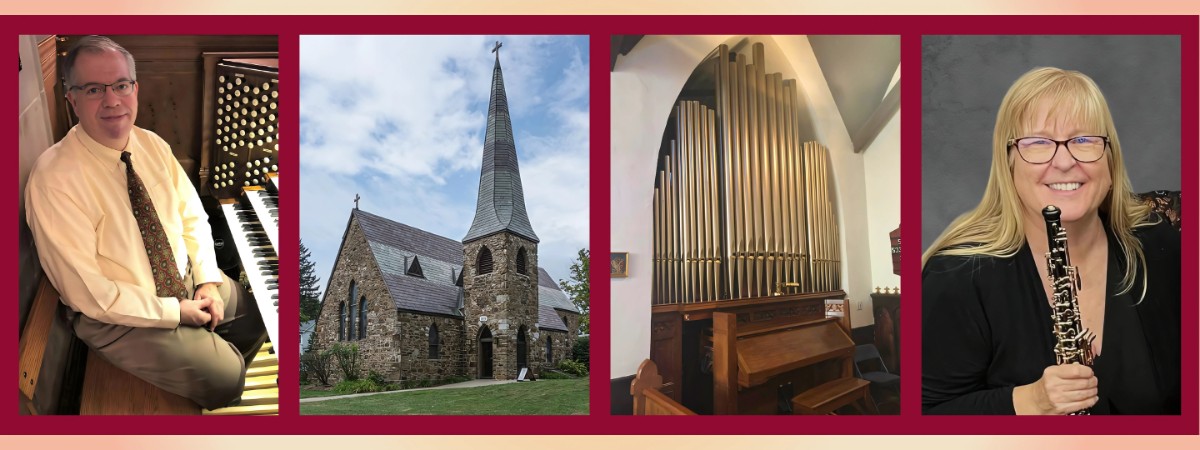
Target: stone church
426	307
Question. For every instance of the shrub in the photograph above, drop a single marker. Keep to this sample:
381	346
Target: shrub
573	367
555	375
347	360
581	351
317	365
377	378
360	386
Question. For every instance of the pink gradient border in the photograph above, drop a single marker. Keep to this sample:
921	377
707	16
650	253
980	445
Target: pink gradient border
600	422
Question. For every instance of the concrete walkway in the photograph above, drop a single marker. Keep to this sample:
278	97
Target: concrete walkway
465	384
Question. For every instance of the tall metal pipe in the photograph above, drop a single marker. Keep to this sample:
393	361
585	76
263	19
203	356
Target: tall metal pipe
742	204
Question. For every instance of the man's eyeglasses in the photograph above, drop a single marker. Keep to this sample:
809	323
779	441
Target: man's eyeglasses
1040	150
92	91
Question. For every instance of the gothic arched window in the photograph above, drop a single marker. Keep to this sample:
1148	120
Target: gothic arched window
549	348
342	321
483	263
434	342
362	317
350	311
521	261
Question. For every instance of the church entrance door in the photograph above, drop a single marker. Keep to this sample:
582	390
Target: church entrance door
485	353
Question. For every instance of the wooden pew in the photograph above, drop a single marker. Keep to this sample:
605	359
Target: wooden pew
648	400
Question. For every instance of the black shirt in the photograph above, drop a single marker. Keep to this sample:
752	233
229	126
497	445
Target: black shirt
987	328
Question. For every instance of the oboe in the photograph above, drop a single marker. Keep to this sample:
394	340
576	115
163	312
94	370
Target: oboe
1073	343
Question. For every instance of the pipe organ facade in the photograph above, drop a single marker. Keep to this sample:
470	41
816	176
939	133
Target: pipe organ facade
743	205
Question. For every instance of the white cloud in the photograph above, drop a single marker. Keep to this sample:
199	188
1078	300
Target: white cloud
400	120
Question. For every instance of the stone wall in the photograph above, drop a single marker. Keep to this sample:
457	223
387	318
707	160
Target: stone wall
357	264
411	342
502	300
561	350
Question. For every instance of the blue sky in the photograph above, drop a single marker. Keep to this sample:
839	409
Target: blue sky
400	120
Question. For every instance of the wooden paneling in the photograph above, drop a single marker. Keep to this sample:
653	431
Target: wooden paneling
35	337
666	349
59	117
170	75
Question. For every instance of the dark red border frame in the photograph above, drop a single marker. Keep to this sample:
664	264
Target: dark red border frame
910	28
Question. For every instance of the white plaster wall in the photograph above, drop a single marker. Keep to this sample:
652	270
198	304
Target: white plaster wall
881	161
847	167
644	86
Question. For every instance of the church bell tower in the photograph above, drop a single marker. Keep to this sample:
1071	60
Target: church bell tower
500	275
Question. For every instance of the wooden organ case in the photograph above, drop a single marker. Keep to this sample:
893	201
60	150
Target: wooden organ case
748	311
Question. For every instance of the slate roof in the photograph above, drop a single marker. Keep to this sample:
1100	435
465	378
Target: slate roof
394	245
501	204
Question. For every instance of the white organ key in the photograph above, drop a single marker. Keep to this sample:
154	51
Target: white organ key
259	260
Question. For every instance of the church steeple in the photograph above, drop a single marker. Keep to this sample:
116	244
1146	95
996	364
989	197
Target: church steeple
501	204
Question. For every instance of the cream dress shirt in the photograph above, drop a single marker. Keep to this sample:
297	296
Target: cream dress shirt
77	205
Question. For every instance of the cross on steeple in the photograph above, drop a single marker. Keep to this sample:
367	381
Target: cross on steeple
356	198
496	49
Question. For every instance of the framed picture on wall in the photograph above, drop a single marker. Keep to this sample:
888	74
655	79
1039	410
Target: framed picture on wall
618	264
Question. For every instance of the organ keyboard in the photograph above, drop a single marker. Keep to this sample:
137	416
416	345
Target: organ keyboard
259	260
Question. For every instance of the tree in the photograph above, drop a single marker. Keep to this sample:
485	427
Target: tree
310	299
579	288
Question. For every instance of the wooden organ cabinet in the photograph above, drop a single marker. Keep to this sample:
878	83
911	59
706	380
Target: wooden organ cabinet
215	100
748	314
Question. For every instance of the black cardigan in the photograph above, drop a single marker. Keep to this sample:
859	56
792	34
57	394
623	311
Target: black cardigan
986	328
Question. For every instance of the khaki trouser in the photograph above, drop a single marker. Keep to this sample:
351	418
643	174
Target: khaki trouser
193	362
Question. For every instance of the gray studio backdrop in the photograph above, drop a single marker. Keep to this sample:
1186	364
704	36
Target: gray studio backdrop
964	78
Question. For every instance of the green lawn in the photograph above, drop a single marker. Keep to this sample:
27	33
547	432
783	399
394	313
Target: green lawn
557	397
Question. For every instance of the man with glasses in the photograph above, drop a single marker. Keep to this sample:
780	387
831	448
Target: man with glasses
122	235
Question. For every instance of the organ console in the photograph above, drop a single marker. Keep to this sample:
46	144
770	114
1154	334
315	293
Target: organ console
748	313
240	169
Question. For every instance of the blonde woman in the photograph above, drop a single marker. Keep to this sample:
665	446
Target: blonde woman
988	344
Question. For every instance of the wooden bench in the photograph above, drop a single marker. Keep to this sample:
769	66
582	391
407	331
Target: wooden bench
829	397
107	390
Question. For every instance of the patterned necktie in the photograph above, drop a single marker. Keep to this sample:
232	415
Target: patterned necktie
167	281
